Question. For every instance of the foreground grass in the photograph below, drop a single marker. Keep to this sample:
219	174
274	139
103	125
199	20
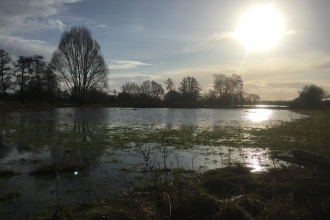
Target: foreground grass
226	193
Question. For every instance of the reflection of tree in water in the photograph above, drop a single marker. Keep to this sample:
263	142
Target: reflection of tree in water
76	142
85	154
4	144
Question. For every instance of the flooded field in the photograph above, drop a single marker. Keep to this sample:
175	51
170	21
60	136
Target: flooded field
88	153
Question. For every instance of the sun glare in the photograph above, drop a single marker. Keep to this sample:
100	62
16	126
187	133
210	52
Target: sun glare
260	28
259	115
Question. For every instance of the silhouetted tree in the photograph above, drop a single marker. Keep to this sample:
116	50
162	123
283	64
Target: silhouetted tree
312	96
190	89
226	87
22	74
169	84
172	96
130	88
50	84
151	90
79	63
251	98
6	71
156	90
37	75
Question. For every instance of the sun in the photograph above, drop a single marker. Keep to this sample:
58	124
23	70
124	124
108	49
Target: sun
260	28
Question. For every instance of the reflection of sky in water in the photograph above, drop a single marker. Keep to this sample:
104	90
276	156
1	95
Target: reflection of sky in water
163	117
259	115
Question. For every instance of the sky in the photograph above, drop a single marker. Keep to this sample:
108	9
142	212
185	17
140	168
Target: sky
155	40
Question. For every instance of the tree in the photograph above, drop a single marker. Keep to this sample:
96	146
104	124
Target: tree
79	63
22	74
156	90
38	67
50	83
251	98
151	90
227	87
190	88
312	96
145	88
169	84
130	88
6	71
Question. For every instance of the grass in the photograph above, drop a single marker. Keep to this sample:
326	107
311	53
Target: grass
227	193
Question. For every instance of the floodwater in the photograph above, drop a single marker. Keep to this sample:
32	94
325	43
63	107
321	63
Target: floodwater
111	167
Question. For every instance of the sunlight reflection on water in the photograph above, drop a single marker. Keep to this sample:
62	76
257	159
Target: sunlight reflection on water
259	115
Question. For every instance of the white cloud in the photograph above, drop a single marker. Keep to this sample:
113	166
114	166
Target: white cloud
126	64
19	16
272	79
291	31
221	36
102	26
213	41
25	47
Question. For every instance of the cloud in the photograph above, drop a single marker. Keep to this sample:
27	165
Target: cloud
117	80
102	26
213	41
272	79
291	31
28	15
126	64
221	36
25	47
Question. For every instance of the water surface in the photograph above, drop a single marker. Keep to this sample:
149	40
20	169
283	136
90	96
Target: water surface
108	165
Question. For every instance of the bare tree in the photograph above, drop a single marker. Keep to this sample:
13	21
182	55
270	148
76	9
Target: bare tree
226	85
130	88
38	67
152	90
156	90
251	98
145	88
219	83
6	71
50	83
169	84
22	74
190	88
79	63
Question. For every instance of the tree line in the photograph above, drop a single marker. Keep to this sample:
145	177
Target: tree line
77	73
226	91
